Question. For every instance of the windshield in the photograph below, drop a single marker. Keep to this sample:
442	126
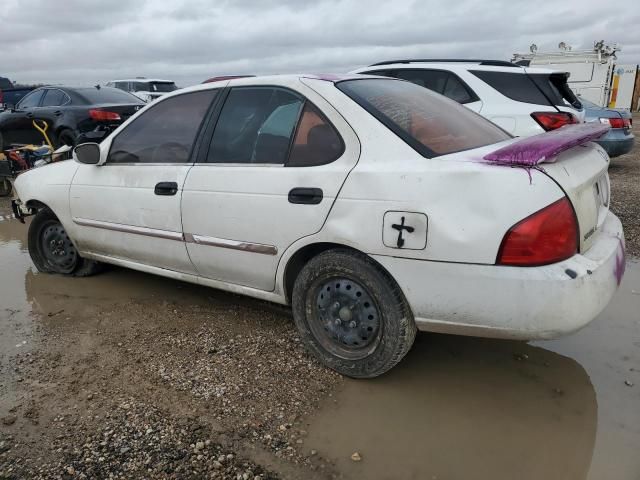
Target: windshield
430	123
162	87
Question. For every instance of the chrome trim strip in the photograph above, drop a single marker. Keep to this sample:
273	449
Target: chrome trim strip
232	244
187	237
116	227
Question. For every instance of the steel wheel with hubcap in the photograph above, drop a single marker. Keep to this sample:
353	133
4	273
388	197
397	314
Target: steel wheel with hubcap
351	314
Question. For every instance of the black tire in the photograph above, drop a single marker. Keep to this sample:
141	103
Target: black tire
6	187
52	251
66	137
384	322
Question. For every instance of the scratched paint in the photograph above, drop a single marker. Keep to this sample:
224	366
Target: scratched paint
545	147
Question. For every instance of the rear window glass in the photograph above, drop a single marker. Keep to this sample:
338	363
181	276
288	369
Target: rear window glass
516	86
107	95
430	123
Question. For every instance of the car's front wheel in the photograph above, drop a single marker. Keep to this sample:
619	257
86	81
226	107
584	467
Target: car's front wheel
51	249
351	314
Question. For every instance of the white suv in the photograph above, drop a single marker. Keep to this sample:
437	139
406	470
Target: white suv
523	101
146	89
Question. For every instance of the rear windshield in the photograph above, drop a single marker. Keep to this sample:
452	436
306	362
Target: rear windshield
536	88
107	95
430	123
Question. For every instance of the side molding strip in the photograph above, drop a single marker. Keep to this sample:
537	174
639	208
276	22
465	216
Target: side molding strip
232	244
116	227
187	237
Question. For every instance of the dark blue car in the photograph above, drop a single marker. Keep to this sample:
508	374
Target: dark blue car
620	139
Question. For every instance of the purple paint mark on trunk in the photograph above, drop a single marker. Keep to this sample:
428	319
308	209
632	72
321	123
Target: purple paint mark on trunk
545	147
620	265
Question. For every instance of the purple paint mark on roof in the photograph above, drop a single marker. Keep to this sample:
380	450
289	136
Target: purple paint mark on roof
545	147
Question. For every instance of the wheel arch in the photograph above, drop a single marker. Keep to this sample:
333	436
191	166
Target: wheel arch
299	259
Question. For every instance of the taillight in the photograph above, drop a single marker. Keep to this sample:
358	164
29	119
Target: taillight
615	122
553	120
103	115
548	236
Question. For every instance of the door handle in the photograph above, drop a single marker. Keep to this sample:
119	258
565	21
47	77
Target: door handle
305	196
29	115
166	188
57	113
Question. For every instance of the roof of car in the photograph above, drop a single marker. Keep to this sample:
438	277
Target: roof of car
455	65
158	80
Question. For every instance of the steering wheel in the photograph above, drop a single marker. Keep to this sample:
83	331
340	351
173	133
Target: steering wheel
170	152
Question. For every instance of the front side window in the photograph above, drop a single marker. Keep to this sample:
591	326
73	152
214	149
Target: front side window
54	98
255	126
429	123
31	100
165	133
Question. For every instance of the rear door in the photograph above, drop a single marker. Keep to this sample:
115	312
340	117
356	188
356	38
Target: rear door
129	208
275	163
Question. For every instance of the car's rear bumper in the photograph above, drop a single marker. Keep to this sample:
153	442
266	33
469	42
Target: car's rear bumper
513	302
616	146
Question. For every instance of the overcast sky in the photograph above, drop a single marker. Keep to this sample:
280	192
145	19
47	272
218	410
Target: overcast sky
92	41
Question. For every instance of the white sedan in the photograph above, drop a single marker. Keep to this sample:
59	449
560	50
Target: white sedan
372	206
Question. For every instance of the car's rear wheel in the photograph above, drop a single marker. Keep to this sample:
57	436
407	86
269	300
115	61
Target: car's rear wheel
351	314
66	137
51	249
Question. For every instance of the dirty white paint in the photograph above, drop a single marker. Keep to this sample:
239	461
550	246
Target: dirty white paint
459	209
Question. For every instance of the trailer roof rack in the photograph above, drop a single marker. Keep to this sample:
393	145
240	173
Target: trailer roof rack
495	63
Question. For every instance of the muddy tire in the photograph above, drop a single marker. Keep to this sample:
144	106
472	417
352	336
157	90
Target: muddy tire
351	314
52	251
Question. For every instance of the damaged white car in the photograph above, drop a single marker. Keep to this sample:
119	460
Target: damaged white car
372	206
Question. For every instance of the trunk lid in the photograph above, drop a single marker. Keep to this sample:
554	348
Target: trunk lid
582	173
576	165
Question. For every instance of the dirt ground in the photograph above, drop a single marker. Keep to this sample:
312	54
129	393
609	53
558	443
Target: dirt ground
127	375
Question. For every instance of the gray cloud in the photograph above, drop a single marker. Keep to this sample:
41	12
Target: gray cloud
89	41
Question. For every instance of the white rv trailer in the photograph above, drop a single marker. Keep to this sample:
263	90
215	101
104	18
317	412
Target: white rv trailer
594	74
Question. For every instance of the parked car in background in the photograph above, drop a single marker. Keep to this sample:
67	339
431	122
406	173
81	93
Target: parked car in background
522	101
369	204
10	94
146	89
72	114
619	140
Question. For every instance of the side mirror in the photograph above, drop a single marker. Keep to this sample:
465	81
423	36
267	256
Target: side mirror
87	153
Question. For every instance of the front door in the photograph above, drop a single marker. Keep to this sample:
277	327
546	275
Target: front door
17	126
129	208
275	164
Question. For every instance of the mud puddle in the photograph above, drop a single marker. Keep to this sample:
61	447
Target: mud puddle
459	408
207	361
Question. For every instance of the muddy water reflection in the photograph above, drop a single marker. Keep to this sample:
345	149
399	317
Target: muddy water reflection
465	408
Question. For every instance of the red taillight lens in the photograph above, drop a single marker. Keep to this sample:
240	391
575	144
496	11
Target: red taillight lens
615	122
548	236
553	120
103	115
